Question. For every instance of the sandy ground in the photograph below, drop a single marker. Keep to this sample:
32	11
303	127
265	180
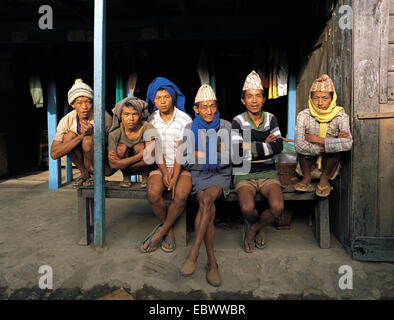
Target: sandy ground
40	227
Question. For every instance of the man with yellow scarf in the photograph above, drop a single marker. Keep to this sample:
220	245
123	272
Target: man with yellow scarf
322	133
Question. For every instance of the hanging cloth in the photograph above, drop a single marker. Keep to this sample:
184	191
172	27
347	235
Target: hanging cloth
36	91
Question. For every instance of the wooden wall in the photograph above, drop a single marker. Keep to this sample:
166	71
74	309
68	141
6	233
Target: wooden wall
340	69
373	172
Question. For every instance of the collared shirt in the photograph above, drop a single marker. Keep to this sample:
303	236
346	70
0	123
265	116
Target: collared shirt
171	133
307	124
69	123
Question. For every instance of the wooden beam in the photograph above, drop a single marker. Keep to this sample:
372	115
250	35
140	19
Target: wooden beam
375	115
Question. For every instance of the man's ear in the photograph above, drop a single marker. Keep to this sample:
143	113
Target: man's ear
195	109
243	102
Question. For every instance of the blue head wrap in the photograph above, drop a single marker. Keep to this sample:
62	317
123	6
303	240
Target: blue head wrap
211	163
178	98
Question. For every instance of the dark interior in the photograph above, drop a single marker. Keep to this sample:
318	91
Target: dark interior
153	38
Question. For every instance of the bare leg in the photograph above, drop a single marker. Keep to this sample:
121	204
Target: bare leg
123	152
247	205
88	152
306	167
330	163
273	193
175	209
155	188
205	218
76	155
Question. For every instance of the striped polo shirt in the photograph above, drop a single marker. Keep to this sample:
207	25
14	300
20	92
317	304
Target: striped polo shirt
170	133
262	155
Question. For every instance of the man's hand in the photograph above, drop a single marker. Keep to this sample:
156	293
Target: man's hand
344	134
245	145
199	154
86	128
270	138
314	139
167	179
172	186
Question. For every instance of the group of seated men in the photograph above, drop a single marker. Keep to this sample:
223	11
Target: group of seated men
204	156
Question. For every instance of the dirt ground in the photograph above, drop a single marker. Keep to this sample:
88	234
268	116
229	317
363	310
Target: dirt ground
40	227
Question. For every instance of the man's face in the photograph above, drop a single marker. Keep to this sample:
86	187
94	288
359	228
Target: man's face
206	110
322	100
83	106
253	101
130	118
163	101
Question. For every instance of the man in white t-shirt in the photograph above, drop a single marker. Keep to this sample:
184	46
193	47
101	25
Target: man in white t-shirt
74	133
169	120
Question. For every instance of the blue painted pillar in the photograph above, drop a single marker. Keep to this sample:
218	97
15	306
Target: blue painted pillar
99	124
292	107
54	178
69	168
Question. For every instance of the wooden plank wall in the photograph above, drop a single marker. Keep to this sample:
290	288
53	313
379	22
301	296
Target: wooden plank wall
340	69
386	141
368	25
316	65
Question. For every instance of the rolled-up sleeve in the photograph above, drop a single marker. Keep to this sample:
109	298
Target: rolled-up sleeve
301	145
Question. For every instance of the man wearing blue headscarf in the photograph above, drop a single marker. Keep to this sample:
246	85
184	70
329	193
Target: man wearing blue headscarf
211	172
168	116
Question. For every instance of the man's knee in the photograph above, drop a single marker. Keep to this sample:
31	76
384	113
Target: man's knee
139	147
87	144
69	136
122	150
248	211
276	208
181	196
206	204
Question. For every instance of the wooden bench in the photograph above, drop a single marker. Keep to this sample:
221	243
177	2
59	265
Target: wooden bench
113	190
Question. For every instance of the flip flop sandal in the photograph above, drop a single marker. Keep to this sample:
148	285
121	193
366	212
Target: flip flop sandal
320	191
168	250
213	276
244	236
258	238
302	187
89	181
79	181
125	184
149	237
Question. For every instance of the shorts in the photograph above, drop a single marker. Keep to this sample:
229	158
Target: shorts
257	184
184	173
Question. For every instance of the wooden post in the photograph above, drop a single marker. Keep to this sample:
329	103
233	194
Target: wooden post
291	107
54	178
99	121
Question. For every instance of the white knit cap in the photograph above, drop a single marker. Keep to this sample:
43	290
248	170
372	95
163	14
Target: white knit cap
79	89
252	82
205	93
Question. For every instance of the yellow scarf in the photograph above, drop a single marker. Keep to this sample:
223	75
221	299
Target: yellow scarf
324	117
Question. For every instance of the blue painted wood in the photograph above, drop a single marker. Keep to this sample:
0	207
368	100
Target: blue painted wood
54	178
69	168
292	107
99	124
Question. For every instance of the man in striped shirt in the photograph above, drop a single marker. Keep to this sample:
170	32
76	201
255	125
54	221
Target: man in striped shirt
322	133
259	137
169	120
